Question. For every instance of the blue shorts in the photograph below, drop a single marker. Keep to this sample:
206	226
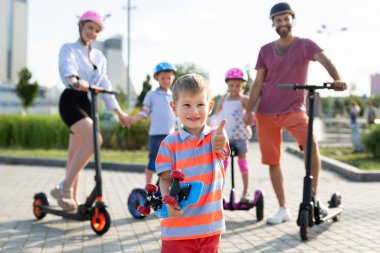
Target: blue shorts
153	146
241	146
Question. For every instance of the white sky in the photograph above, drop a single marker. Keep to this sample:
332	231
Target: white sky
213	34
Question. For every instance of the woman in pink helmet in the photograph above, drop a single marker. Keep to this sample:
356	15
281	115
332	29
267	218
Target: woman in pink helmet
231	107
79	66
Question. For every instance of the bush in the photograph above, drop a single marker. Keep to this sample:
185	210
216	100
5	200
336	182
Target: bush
371	140
48	132
33	132
135	137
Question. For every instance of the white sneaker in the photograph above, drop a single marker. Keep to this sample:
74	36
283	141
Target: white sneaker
323	210
282	215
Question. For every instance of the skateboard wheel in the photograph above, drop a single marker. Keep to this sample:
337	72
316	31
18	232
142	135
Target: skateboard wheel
170	200
151	188
177	174
143	210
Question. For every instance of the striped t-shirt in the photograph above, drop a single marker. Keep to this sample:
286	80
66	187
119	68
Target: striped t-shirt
194	157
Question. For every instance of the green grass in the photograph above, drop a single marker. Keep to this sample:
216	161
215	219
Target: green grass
362	161
128	156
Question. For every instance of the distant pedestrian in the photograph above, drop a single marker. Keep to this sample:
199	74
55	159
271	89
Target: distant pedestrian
372	113
355	127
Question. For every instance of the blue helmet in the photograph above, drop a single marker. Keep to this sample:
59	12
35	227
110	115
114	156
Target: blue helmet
163	66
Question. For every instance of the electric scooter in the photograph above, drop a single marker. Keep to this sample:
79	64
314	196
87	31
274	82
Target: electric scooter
309	211
258	200
94	209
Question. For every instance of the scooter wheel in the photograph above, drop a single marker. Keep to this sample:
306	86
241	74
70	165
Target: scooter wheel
144	210
177	174
40	199
304	225
336	200
151	188
135	199
100	221
259	205
170	200
336	218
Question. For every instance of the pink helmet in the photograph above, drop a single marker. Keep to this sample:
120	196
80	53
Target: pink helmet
236	73
94	17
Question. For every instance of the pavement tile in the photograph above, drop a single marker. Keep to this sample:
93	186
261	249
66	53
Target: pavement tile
357	231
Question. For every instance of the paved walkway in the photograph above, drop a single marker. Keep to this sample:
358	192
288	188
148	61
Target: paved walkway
357	231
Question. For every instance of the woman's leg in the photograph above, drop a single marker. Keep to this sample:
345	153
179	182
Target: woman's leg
82	129
74	144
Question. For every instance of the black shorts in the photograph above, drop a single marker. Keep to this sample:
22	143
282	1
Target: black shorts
74	106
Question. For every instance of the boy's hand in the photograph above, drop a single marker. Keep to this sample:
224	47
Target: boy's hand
219	139
174	211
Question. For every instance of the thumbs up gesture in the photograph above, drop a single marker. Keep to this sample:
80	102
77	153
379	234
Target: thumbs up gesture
219	139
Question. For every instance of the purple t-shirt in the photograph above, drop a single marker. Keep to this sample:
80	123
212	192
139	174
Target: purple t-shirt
287	69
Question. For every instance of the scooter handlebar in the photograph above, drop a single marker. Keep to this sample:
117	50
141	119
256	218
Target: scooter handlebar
96	89
326	85
286	86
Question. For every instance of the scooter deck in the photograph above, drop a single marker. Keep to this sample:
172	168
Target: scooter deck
193	198
74	215
333	212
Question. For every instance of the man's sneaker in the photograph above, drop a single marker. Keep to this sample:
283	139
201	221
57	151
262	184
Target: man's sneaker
282	215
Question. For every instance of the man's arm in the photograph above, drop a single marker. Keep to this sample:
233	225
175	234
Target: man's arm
254	94
333	72
327	64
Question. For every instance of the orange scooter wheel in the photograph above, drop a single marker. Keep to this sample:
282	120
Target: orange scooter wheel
100	221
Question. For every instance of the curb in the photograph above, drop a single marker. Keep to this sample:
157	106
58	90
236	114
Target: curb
347	171
135	167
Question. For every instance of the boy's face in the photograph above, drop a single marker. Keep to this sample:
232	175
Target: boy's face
165	79
235	87
193	111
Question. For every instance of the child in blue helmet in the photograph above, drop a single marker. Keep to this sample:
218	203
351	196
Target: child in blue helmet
157	104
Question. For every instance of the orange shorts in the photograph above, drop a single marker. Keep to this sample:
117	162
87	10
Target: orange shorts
269	132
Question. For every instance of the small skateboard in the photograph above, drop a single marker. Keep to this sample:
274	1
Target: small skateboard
184	194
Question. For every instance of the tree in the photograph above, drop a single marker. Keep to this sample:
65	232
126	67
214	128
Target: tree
188	68
376	100
147	86
247	87
25	90
338	107
327	106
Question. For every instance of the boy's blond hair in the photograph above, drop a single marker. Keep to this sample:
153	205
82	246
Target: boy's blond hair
193	84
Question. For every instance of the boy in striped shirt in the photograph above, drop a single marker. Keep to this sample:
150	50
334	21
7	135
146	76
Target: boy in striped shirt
198	151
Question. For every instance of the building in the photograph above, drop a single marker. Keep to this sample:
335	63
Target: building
112	48
13	45
375	84
45	103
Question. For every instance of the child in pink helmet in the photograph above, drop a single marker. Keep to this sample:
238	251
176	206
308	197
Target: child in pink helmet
231	107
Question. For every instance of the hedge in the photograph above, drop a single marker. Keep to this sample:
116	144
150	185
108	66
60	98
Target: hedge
48	131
